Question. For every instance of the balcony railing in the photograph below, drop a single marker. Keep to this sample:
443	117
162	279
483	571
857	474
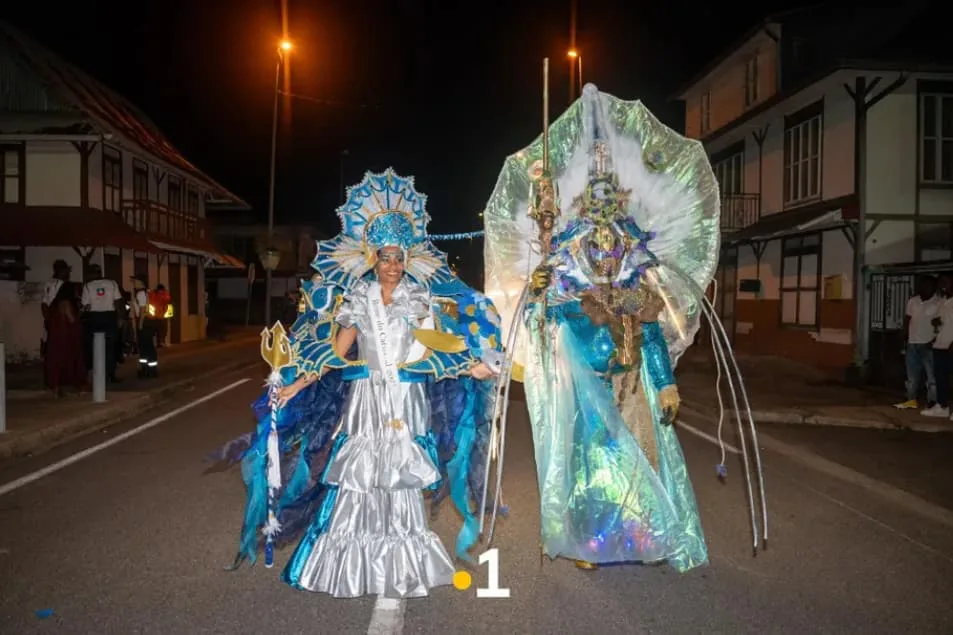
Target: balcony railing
164	224
739	211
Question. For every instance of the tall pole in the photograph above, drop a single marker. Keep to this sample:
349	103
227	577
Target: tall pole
271	190
572	49
580	75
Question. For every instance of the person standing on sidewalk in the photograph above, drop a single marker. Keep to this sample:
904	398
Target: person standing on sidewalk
942	361
63	362
101	300
61	273
921	309
143	314
162	301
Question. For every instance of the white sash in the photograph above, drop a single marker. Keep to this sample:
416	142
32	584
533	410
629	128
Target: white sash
386	356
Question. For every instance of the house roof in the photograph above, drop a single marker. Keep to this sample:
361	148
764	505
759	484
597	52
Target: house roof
78	91
50	226
717	60
907	34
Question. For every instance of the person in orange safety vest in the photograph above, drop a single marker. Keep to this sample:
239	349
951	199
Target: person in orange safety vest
160	302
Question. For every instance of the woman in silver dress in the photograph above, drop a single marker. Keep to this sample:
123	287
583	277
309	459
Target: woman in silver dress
343	454
378	541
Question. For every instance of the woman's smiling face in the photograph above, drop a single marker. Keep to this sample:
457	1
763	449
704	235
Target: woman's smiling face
390	265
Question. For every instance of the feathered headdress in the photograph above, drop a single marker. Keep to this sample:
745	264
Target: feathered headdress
383	210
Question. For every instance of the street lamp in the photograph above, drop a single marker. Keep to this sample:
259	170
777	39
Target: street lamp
270	258
574	56
284	46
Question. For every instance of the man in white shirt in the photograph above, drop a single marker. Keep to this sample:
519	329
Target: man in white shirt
921	309
942	358
101	300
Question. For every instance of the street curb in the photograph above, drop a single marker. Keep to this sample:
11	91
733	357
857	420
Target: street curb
876	422
810	459
48	437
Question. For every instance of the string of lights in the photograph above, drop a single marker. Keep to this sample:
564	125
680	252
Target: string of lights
458	236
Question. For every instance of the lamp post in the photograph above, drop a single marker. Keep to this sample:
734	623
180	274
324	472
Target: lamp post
284	46
575	60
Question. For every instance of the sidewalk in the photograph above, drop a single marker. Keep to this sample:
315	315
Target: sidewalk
36	421
783	392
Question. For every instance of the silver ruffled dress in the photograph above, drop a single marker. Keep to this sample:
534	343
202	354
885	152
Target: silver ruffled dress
378	541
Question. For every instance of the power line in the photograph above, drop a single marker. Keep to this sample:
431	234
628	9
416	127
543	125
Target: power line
329	102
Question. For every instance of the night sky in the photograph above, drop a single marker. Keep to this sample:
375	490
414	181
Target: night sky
438	89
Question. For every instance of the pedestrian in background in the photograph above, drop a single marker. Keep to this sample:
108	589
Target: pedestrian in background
61	274
920	333
146	323
942	362
101	301
63	362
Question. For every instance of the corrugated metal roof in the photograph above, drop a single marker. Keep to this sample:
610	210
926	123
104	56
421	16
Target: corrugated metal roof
74	89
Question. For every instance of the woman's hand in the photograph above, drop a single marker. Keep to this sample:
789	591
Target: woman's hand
481	371
287	393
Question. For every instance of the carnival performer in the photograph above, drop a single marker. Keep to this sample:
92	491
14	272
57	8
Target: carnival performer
615	295
364	428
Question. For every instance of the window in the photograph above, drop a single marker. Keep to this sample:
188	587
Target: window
800	280
175	193
706	112
730	174
934	241
192	289
140	181
936	138
112	179
140	268
752	83
192	203
802	155
727	286
13	185
13	263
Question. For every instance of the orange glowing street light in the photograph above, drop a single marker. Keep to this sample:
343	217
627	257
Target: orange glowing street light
284	46
574	69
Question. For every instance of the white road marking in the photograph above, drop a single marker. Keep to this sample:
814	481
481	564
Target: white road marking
387	617
707	437
79	456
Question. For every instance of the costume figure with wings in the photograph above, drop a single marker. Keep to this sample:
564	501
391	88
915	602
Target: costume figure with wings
383	394
598	303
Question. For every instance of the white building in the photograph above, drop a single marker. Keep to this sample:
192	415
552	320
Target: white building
801	134
89	179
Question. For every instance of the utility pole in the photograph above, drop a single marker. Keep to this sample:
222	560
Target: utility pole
573	53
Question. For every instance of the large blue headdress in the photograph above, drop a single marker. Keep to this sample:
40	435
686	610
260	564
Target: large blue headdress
383	210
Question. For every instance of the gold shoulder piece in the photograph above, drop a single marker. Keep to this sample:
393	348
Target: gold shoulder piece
518	372
440	342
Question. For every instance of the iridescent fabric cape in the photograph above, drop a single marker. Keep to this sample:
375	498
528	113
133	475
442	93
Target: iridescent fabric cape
605	498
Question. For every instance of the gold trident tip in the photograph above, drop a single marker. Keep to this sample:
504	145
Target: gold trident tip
276	347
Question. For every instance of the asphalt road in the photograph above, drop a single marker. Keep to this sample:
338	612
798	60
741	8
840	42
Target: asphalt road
133	539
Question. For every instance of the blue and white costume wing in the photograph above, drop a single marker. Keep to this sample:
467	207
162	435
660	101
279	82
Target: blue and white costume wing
383	210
